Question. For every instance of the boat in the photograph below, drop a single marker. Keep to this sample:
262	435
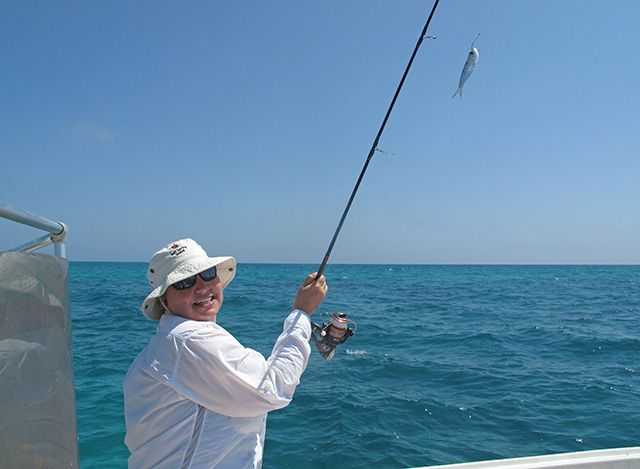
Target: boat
37	396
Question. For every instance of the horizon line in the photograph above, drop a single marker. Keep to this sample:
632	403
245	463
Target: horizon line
461	264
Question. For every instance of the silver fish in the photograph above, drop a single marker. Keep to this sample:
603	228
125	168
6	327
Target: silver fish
469	65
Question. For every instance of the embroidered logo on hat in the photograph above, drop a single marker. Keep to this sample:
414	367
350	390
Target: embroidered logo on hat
176	249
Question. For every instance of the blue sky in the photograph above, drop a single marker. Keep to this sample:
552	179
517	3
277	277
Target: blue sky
244	126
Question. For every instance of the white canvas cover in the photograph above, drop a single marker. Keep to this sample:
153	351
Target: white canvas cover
37	400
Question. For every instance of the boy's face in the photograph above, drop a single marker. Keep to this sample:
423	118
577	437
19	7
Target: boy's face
200	302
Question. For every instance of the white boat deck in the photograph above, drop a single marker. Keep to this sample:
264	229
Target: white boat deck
618	458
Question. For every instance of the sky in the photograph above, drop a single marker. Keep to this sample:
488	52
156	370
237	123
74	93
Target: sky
244	125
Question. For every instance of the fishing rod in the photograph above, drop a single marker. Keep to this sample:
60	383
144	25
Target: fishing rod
374	145
327	336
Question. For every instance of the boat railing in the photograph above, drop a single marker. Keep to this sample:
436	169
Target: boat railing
56	231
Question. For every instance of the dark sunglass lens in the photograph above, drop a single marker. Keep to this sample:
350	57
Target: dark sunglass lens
186	283
209	274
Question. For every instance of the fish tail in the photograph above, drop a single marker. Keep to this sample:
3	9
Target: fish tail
458	92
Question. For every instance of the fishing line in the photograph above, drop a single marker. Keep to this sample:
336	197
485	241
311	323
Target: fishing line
374	146
384	152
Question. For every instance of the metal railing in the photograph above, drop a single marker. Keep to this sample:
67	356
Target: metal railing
56	231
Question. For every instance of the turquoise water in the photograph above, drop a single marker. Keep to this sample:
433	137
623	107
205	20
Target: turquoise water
449	363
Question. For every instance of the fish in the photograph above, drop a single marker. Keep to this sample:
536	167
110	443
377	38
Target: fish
469	65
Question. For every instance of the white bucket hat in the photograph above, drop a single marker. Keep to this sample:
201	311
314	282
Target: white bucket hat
179	260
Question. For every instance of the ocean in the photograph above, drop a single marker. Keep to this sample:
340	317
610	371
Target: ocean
448	364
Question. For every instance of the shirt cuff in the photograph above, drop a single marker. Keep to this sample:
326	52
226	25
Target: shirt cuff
300	321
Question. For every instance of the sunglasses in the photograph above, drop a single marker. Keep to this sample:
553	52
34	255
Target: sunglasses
206	275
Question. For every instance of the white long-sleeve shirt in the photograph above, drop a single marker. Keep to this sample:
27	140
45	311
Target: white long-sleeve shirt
196	398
